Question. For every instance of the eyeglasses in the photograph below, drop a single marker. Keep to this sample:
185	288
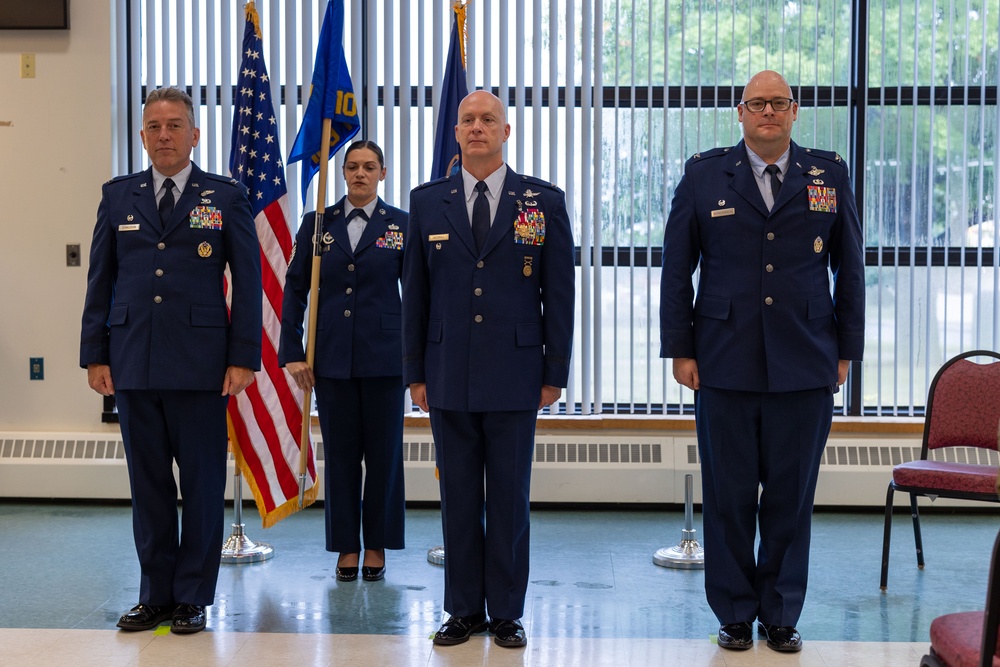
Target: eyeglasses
778	104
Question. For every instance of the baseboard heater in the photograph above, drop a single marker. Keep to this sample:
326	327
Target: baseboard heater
568	468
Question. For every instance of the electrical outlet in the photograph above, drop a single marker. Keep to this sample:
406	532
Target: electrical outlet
27	65
72	254
37	368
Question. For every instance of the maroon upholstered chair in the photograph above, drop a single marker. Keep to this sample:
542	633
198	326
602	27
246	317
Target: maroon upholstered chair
969	638
963	410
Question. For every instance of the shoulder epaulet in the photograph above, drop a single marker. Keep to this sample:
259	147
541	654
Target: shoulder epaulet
222	179
124	177
534	180
715	152
826	155
433	182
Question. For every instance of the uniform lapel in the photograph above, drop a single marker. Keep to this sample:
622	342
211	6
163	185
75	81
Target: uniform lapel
145	201
453	206
188	200
375	228
335	223
795	179
503	221
742	179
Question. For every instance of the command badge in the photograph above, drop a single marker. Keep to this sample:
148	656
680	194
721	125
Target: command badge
205	249
527	266
818	245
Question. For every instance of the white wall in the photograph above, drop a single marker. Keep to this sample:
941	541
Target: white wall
54	156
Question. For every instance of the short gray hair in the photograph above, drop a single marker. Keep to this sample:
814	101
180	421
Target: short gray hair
172	94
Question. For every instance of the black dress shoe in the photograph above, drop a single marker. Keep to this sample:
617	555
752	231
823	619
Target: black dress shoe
188	618
736	636
373	573
458	629
145	617
347	573
781	638
509	634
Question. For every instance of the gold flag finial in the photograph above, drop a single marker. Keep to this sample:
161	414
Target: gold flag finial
250	11
460	9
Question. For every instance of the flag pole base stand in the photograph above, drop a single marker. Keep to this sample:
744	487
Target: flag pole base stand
688	555
435	556
239	548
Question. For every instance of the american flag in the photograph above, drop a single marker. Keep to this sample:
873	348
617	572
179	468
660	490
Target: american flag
266	420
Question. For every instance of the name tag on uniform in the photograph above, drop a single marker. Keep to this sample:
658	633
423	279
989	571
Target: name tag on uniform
128	228
721	212
437	237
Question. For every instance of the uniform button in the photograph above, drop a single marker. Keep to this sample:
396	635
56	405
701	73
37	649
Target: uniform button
479	318
349	290
770	236
161	245
157	299
478	291
769	301
159	272
347	313
769	268
480	264
350	267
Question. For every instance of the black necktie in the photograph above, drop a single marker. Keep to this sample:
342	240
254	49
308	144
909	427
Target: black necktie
166	206
481	216
775	183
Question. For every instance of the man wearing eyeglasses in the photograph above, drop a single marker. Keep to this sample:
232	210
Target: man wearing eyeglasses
765	343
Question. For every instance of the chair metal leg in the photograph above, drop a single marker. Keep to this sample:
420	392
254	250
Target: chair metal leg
915	513
886	535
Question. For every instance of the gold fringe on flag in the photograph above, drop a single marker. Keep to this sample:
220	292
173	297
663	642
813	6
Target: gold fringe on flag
250	11
460	11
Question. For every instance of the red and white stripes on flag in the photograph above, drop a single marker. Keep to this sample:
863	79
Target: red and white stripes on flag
266	419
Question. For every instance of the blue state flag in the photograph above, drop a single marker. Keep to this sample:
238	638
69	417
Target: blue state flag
332	96
447	153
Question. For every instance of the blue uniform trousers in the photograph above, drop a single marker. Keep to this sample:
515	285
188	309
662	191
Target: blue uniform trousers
760	456
362	419
486	525
189	427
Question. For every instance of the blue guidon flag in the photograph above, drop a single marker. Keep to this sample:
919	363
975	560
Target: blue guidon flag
332	96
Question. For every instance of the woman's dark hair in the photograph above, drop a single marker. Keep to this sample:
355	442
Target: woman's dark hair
370	145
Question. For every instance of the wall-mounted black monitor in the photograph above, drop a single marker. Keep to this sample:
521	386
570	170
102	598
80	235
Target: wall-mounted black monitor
34	14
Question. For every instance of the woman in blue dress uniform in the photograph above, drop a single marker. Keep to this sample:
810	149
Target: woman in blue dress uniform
357	373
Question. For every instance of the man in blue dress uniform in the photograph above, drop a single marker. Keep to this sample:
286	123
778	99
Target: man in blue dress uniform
765	345
157	335
488	290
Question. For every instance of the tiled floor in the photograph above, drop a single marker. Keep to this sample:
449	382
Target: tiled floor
68	570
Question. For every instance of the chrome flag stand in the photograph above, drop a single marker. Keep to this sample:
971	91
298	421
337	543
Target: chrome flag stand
688	555
436	555
239	548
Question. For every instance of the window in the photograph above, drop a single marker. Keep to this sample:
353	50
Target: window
608	98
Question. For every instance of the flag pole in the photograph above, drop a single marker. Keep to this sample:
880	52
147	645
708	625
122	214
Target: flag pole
317	255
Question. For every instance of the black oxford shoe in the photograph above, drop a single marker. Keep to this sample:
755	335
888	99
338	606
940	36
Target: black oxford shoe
736	636
458	629
188	619
145	617
781	638
509	634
